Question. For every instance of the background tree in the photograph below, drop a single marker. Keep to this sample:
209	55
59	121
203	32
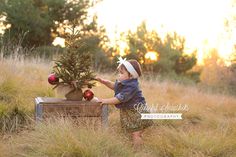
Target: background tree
46	19
171	57
230	27
43	20
26	16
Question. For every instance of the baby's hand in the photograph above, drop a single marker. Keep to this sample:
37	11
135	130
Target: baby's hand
95	99
100	80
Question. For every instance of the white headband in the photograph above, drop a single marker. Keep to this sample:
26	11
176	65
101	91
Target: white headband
128	66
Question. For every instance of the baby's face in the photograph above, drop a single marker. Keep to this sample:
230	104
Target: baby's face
123	74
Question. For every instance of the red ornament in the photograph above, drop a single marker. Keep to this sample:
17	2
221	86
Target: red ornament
53	79
88	95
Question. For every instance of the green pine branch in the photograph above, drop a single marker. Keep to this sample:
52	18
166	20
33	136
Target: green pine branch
75	64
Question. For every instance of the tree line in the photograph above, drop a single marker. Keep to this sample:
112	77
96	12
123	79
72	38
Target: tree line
40	21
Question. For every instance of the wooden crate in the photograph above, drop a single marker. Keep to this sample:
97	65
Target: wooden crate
83	111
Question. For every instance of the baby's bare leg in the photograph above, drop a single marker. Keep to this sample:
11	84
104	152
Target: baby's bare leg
137	139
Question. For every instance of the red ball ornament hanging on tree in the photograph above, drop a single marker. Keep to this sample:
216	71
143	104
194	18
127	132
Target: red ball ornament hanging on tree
88	95
53	79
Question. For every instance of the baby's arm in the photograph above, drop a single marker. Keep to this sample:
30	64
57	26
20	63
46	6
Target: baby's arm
125	95
107	83
109	101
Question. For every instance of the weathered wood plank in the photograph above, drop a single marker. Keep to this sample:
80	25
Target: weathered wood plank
46	107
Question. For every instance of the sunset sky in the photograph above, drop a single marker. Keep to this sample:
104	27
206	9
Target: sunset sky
201	22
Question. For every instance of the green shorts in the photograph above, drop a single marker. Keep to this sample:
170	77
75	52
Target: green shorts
131	120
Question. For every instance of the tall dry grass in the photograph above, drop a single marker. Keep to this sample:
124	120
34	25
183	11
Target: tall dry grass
20	83
207	128
60	137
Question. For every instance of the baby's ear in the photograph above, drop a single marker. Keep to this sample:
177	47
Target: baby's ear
130	76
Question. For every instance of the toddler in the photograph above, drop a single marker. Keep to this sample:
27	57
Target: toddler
127	95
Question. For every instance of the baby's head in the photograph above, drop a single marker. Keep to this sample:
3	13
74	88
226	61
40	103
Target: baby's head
129	69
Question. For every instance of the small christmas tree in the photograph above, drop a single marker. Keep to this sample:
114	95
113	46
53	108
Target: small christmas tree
73	68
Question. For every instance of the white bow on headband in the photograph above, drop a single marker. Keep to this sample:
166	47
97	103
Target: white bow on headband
121	60
128	66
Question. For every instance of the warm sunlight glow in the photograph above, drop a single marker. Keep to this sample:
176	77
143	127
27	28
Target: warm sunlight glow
122	47
197	20
151	56
2	26
59	41
201	22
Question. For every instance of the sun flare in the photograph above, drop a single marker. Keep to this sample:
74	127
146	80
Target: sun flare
59	42
153	56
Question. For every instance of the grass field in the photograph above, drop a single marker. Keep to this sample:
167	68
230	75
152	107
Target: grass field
208	128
